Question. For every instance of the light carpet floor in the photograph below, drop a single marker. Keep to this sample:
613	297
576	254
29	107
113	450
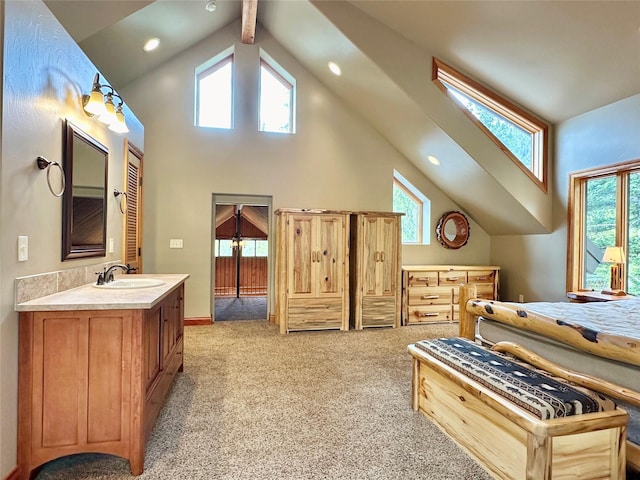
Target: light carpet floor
254	404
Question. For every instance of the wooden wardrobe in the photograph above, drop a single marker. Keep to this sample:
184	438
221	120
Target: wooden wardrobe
312	272
375	269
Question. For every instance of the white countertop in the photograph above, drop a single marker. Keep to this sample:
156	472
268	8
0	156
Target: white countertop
87	297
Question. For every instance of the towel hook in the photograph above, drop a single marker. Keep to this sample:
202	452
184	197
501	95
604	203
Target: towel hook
43	163
116	193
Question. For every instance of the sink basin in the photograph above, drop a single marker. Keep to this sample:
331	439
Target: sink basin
131	283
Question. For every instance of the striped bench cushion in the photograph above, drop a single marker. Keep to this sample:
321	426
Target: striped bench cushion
533	390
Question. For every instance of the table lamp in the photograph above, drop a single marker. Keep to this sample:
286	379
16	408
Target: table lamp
614	256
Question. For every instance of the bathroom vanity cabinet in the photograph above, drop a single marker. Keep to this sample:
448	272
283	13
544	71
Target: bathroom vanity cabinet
94	380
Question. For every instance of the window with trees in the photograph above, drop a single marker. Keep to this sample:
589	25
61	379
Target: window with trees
277	94
214	93
604	207
521	136
416	208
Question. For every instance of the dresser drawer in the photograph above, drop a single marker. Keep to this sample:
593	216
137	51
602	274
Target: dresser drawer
430	295
425	279
429	313
485	292
453	277
481	276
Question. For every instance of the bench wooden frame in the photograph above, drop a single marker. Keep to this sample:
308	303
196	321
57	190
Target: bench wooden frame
508	441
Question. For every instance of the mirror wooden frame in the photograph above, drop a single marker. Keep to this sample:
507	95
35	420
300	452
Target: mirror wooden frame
461	224
70	250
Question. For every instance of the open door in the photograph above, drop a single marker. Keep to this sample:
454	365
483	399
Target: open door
241	258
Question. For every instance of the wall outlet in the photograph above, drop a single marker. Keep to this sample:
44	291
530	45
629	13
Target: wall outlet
23	248
175	243
521	298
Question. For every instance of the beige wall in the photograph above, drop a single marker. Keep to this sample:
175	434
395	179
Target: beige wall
535	265
334	161
45	74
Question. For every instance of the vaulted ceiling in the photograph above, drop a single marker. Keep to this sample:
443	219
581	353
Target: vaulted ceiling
557	59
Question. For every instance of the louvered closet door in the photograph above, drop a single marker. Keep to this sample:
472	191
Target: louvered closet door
133	221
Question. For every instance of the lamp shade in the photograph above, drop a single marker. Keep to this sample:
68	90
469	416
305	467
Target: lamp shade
109	115
613	255
94	103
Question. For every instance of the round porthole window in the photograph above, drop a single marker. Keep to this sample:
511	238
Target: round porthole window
452	230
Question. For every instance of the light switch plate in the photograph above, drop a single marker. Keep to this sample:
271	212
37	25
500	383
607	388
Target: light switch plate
175	243
23	248
110	245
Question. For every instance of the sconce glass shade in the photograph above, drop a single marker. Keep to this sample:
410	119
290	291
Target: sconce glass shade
94	103
613	255
109	116
119	126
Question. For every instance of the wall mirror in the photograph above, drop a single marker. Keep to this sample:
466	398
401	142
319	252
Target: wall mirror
84	204
452	230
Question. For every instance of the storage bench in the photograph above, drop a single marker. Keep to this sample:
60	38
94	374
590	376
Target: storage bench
517	421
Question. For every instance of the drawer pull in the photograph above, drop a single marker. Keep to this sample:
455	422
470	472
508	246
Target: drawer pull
422	279
427	314
430	297
452	279
482	278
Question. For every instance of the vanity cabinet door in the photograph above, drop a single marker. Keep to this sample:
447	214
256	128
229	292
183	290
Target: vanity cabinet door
171	325
151	345
75	381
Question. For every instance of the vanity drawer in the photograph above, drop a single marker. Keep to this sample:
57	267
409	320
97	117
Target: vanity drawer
452	277
429	313
425	279
430	295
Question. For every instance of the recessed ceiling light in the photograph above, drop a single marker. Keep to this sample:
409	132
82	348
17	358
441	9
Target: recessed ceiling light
335	69
151	44
433	160
211	6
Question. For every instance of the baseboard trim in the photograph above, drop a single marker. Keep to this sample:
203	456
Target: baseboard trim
13	474
197	321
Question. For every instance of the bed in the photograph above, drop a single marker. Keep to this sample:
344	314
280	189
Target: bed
600	339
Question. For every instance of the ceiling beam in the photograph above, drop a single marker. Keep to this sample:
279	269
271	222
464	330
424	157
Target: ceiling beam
249	13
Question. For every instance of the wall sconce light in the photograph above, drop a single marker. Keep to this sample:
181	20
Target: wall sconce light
614	256
101	104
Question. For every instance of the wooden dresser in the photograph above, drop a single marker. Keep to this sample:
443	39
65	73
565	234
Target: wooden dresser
430	292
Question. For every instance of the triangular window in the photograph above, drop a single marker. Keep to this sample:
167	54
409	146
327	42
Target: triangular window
519	134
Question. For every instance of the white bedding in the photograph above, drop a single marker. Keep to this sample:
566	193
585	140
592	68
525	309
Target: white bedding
618	318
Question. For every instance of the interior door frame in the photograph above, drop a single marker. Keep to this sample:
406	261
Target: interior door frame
251	200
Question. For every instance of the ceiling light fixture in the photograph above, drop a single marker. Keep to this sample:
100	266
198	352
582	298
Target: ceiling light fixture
433	159
151	44
335	69
211	6
101	105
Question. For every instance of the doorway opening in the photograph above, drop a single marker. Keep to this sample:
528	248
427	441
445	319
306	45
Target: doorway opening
241	267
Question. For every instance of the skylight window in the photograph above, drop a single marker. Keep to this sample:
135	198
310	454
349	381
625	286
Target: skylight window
214	106
521	136
276	99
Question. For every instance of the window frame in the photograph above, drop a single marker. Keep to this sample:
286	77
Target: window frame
424	210
204	71
444	75
576	217
267	64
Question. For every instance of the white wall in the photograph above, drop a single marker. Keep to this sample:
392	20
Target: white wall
334	161
45	74
535	265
